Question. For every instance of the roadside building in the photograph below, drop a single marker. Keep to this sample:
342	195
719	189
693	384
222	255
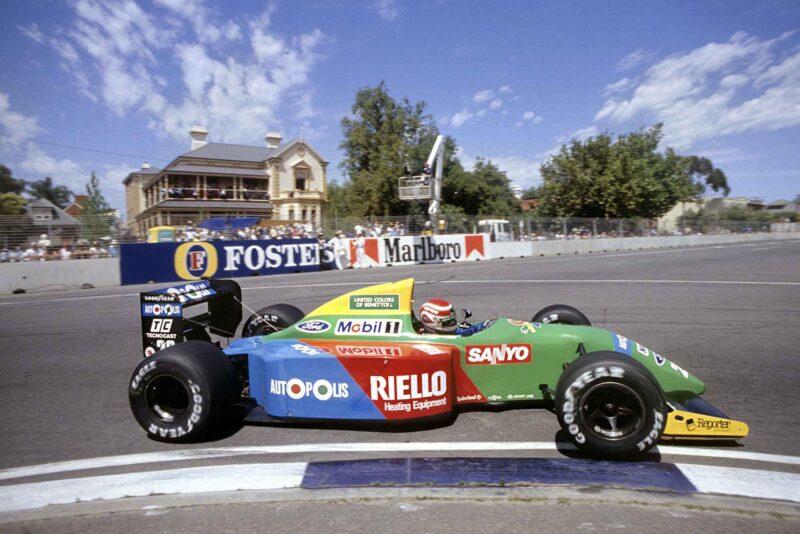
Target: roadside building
279	181
50	220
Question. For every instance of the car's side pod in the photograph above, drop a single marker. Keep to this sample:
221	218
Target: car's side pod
163	322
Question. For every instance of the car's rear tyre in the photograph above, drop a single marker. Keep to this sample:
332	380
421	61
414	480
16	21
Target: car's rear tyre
185	392
561	314
610	405
271	319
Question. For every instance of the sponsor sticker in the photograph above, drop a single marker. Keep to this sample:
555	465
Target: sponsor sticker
374	302
364	350
314	327
410	393
297	389
499	354
368	327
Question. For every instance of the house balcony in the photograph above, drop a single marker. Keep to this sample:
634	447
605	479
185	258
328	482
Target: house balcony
298	194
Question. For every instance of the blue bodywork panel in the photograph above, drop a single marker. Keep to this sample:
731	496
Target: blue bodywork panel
289	378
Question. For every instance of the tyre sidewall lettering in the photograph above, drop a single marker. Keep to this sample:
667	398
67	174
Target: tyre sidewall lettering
569	409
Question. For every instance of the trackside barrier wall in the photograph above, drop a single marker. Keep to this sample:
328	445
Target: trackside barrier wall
585	246
74	274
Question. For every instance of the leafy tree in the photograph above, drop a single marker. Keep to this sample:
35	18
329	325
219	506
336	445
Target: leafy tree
96	218
482	191
379	140
615	178
15	223
9	184
702	170
12	204
57	194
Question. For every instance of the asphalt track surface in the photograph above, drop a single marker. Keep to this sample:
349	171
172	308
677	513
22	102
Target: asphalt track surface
729	314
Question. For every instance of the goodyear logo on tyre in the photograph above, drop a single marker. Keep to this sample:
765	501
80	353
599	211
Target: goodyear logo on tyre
196	260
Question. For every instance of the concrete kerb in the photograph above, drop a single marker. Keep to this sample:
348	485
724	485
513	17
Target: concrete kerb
77	274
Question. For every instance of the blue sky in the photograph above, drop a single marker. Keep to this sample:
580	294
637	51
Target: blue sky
509	80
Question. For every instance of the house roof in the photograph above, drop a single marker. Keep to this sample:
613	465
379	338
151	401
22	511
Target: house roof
224	151
151	171
60	217
207	169
777	203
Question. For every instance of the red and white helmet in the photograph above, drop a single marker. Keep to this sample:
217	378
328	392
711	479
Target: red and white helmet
438	316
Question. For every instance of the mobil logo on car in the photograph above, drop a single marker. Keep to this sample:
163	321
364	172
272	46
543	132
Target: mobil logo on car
499	354
368	327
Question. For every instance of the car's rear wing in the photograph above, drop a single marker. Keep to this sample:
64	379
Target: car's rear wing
163	323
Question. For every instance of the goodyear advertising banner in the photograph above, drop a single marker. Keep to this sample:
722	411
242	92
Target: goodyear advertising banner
141	263
382	251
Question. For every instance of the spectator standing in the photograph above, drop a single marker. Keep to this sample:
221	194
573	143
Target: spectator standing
338	244
361	256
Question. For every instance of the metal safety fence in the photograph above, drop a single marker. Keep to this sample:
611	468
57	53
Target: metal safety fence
25	238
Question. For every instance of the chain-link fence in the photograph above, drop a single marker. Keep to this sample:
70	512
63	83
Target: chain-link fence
25	238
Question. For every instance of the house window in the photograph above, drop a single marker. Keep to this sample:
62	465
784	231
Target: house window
300	178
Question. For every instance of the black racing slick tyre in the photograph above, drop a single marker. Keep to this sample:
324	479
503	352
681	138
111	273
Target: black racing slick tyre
271	319
561	314
610	405
184	393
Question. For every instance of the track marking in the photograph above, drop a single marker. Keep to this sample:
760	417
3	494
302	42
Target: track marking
229	452
209	479
264	476
743	482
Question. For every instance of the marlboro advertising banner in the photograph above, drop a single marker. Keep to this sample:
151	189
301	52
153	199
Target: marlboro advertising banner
407	250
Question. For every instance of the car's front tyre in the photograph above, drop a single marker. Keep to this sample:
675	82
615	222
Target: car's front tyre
184	392
610	405
561	314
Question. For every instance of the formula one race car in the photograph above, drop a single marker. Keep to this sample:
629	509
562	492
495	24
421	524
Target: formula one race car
361	357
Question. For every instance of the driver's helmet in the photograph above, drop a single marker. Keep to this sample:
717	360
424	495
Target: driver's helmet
438	316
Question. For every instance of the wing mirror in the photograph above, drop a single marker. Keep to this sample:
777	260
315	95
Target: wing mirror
467	314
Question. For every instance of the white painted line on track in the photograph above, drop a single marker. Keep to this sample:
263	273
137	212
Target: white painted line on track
766	248
229	452
601	281
743	482
216	478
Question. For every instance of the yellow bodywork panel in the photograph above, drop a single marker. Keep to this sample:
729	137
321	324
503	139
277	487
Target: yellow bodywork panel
690	425
384	299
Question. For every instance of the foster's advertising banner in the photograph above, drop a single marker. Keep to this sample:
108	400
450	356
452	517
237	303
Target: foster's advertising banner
141	263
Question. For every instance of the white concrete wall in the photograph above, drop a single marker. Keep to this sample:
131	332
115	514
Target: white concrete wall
585	246
75	274
53	275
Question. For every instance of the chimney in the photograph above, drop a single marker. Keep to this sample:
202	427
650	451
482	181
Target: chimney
273	140
146	165
199	135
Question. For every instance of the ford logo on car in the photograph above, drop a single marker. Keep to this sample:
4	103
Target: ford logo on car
313	327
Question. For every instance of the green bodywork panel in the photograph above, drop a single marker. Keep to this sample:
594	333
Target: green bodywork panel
543	351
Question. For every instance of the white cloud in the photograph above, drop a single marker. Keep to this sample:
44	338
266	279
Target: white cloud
717	89
16	125
115	51
496	103
634	59
581	134
504	89
387	9
38	164
528	116
200	17
523	171
461	117
32	31
620	86
483	96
